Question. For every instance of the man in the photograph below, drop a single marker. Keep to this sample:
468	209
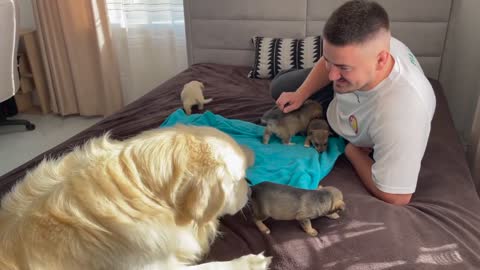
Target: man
382	98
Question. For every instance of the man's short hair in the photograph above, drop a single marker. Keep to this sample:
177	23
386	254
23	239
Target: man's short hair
355	22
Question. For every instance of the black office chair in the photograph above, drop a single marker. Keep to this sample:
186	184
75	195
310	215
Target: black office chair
8	108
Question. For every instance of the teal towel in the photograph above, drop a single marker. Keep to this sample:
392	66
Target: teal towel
293	165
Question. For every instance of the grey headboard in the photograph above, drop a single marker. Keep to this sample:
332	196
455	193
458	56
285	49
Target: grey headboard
219	31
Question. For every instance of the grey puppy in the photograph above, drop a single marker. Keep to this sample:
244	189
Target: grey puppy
317	134
286	125
282	202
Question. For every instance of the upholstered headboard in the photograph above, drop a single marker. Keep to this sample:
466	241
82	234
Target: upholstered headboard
219	31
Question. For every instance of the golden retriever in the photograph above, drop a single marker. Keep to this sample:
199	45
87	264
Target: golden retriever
148	202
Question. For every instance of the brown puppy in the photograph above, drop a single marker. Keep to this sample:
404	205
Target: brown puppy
317	134
282	202
286	125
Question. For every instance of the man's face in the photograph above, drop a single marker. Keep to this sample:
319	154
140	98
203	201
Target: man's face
350	67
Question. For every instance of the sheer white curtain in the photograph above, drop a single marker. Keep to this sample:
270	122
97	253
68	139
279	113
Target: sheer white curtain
149	37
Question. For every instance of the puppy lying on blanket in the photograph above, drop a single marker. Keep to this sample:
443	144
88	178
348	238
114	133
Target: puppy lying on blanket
192	94
286	125
149	202
282	202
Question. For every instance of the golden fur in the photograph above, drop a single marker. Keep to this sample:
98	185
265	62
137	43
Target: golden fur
149	202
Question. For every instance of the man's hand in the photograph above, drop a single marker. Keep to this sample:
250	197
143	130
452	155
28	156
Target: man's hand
290	101
362	164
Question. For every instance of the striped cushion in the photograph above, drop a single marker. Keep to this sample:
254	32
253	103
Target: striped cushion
273	55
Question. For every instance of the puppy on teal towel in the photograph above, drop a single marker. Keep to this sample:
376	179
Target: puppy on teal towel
292	165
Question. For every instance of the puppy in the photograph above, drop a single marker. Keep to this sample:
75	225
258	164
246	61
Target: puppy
317	134
149	202
282	202
192	94
286	125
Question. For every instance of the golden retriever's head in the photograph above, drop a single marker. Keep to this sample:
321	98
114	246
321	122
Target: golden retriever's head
197	171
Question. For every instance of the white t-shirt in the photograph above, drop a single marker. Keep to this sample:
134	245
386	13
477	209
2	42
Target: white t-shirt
394	118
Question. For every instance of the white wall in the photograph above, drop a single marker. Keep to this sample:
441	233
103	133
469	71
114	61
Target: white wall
460	71
27	20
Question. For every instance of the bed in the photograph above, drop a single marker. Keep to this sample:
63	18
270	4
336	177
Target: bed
439	229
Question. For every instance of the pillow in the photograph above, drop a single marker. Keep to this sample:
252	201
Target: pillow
273	55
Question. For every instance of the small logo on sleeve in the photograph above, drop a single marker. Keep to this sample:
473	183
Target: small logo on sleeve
412	58
353	123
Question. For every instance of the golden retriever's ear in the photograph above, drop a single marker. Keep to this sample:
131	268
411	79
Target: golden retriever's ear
199	196
201	201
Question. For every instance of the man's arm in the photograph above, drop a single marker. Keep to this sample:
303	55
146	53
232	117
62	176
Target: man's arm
316	79
362	164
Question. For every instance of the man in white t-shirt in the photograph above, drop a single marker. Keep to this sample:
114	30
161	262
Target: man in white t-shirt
382	101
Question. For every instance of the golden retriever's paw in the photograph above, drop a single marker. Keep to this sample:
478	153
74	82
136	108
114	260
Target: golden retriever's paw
253	262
